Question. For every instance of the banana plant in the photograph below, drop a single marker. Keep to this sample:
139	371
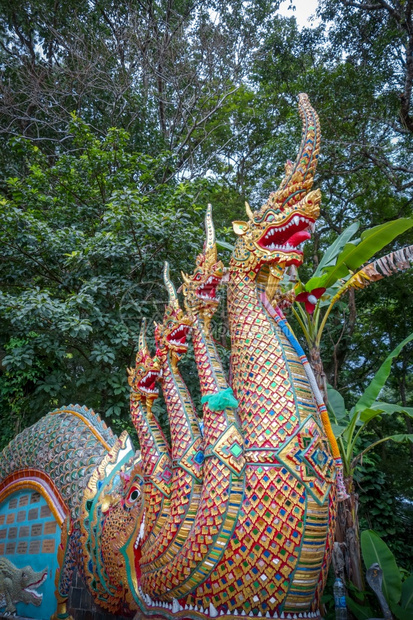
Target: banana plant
396	583
350	426
338	272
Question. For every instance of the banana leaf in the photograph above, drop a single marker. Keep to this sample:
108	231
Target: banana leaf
401	438
390	408
360	611
336	402
373	240
373	390
383	408
407	594
335	249
400	613
383	267
374	549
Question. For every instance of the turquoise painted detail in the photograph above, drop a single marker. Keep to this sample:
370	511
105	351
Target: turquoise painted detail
30	536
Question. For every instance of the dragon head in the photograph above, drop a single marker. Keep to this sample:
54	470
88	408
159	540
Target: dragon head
30	581
171	334
273	234
147	371
110	521
200	287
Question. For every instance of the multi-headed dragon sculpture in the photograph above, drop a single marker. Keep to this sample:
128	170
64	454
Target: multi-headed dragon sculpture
237	519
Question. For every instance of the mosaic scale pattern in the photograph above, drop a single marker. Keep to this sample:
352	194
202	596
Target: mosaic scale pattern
238	519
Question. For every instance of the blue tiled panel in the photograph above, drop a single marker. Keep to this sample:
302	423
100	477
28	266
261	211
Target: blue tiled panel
29	536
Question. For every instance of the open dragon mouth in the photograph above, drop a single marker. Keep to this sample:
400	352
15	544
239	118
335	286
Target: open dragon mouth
178	336
31	589
137	553
147	383
287	237
207	291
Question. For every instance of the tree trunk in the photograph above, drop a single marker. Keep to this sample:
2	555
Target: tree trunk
349	567
318	369
347	553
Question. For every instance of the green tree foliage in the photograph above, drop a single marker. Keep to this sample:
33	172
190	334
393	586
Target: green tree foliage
204	90
83	243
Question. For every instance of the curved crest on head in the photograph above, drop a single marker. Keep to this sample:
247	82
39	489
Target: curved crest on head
299	176
209	228
304	168
142	336
173	298
210	244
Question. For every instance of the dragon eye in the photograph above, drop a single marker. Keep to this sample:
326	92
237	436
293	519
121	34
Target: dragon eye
198	276
134	495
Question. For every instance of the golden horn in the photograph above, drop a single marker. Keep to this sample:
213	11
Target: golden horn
209	227
142	338
185	278
249	211
173	298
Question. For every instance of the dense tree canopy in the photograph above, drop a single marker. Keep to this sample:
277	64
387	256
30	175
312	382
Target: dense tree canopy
121	120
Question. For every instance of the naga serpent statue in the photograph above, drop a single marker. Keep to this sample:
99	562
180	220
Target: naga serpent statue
234	516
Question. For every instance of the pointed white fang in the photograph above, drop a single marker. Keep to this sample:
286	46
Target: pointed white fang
235	612
267	615
175	606
243	613
212	611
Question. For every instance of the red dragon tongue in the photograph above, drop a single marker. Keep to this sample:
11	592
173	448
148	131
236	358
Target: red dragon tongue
299	237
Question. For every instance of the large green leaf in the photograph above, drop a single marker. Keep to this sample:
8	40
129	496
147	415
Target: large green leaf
372	241
360	611
315	282
383	408
336	402
391	408
373	390
374	549
401	438
407	594
400	613
338	430
335	249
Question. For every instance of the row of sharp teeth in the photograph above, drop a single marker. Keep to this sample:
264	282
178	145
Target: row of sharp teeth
151	374
33	591
177	330
177	343
293	222
149	391
205	296
280	248
141	532
175	607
